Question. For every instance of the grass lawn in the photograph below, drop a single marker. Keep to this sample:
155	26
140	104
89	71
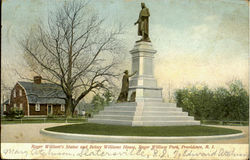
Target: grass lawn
99	129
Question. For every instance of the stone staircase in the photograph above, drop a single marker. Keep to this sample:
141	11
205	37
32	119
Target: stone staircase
146	114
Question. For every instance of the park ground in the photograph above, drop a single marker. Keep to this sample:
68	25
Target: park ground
30	133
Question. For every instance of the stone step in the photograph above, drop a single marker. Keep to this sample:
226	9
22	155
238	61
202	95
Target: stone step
169	113
111	121
145	118
166	118
114	117
159	104
162	109
120	108
122	104
120	113
170	123
145	108
144	113
157	100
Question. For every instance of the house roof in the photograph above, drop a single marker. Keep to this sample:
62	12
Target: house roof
44	93
6	102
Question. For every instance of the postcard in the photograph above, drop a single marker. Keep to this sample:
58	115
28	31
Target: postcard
124	79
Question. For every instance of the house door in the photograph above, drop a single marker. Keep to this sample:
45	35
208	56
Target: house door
49	109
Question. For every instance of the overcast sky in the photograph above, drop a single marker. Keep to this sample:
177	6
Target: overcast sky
197	41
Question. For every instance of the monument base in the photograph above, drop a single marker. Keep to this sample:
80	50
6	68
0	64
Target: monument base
144	94
144	113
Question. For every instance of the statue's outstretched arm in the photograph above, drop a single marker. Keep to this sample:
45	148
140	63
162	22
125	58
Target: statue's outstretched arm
132	74
137	22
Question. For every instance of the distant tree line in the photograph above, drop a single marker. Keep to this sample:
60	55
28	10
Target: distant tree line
223	103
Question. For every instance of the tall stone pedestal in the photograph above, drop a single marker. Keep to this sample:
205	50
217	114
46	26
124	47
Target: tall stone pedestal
148	108
144	83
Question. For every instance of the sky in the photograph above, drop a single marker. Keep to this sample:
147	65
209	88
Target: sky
197	41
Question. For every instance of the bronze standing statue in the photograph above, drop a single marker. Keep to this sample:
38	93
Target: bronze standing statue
123	97
143	21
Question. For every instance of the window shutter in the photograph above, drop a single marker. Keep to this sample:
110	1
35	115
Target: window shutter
14	93
62	107
37	107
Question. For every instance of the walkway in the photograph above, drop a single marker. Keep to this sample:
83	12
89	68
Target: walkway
30	133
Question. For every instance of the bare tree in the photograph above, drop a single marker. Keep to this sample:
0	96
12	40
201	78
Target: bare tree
6	79
74	51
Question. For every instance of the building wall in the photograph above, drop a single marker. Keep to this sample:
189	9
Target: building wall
19	99
57	110
7	106
43	109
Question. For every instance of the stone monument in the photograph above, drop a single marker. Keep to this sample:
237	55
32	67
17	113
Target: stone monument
147	107
143	23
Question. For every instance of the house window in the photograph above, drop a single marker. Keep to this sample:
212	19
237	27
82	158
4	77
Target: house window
4	107
14	105
21	106
14	93
62	107
20	93
37	107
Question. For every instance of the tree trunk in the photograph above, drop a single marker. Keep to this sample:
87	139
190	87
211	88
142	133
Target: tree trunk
73	106
72	112
68	111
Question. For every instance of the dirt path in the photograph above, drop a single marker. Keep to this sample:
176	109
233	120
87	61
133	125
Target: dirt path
30	133
243	140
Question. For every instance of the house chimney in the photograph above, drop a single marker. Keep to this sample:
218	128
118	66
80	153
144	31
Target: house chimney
37	79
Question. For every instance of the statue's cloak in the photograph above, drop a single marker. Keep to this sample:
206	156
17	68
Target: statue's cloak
124	91
143	21
125	83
